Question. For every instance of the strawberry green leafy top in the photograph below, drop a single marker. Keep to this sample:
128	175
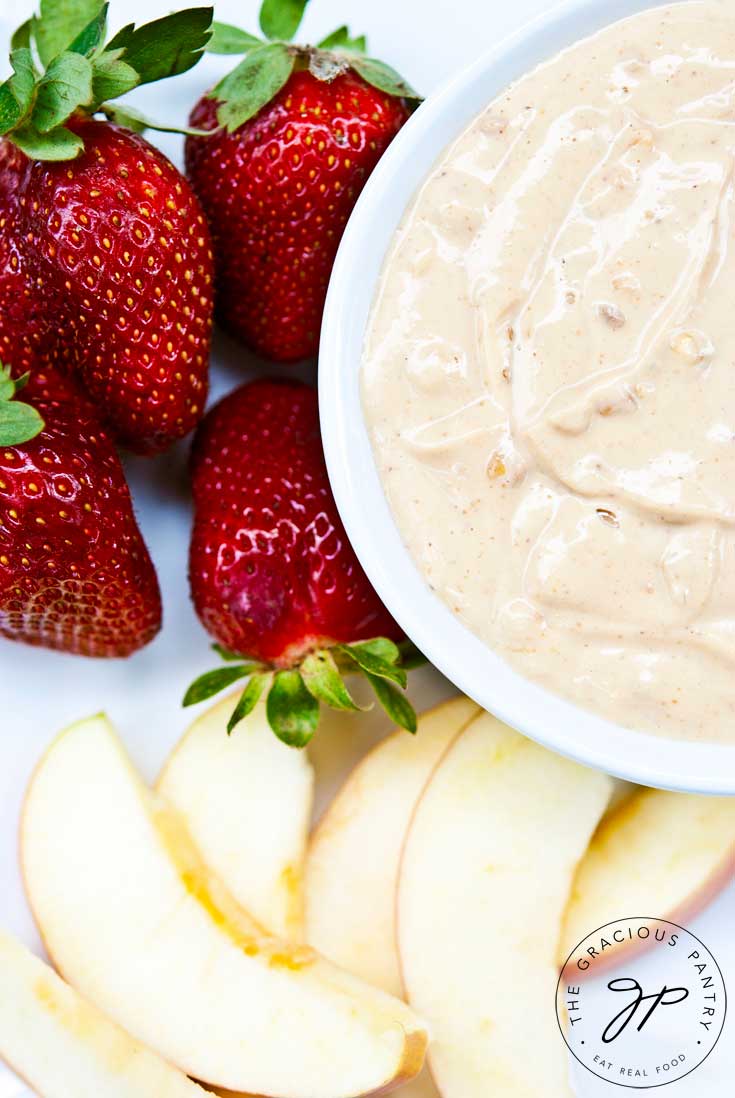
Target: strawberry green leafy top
269	62
62	64
295	694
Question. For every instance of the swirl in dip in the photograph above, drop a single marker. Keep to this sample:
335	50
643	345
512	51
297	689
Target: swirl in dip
549	373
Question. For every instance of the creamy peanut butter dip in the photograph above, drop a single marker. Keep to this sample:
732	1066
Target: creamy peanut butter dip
549	373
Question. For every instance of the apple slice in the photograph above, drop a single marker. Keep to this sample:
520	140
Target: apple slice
345	738
659	854
485	877
354	855
64	1047
246	800
132	917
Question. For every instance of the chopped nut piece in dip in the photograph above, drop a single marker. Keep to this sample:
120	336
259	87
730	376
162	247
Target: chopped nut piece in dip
574	253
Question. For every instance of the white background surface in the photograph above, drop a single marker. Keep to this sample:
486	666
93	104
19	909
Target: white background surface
427	40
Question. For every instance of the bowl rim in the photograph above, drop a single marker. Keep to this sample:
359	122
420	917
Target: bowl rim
464	659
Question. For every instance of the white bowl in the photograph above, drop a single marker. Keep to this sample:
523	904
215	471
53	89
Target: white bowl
451	647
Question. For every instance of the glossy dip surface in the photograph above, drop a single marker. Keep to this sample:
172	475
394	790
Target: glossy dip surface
549	373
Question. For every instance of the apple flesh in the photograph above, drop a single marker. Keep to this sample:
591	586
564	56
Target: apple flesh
660	854
134	920
354	855
246	800
64	1047
485	877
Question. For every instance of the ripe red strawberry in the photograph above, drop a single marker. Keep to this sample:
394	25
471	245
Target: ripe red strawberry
296	133
273	576
122	250
74	571
111	242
